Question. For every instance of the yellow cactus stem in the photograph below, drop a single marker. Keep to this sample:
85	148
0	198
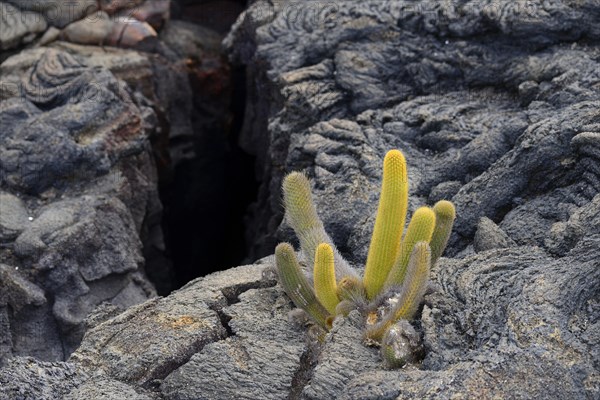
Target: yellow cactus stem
324	277
419	229
297	287
389	224
301	214
445	214
412	292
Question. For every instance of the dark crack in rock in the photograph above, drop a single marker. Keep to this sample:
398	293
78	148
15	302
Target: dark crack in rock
152	339
343	357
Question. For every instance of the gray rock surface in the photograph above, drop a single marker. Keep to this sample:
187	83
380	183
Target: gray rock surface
489	236
18	27
27	378
109	389
75	149
60	12
155	338
260	359
152	339
14	217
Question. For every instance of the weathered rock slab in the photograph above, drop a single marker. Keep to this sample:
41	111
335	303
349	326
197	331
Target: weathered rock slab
18	27
26	378
156	337
259	360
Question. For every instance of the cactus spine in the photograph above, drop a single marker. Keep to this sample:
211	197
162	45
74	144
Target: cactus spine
419	229
302	215
444	220
297	286
324	278
389	224
412	292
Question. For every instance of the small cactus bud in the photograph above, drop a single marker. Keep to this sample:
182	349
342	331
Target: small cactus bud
445	214
297	286
389	224
298	317
400	345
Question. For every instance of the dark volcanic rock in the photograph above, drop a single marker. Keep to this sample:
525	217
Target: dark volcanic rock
109	389
489	236
26	378
57	91
75	149
445	83
82	129
13	218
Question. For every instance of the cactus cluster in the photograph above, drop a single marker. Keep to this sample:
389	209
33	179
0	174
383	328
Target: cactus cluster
397	267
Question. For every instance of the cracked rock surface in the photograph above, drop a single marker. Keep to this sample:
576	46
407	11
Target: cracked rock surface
180	326
496	106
